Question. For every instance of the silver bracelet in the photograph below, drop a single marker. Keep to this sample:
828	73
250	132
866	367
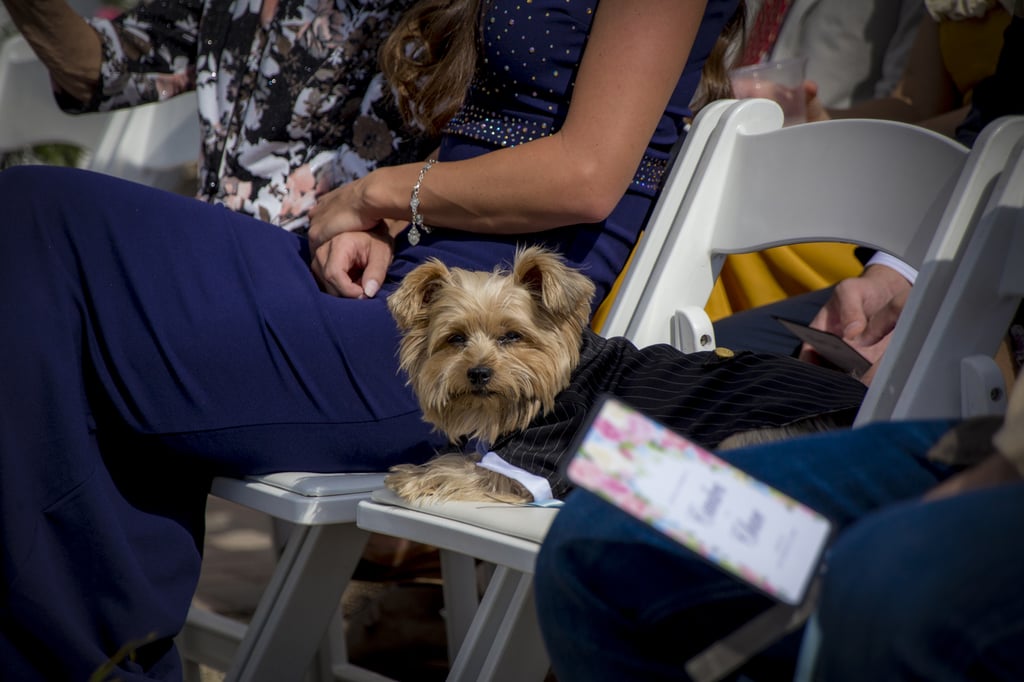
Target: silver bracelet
414	206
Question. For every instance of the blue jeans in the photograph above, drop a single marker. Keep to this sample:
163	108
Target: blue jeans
619	601
929	592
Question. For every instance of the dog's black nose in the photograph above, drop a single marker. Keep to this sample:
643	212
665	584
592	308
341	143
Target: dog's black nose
479	376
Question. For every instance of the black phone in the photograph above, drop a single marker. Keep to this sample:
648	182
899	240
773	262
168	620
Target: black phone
830	347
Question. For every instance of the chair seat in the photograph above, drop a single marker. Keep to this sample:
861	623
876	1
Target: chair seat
308	499
504	534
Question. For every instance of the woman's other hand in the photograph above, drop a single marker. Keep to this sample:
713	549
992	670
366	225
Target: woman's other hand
353	264
348	208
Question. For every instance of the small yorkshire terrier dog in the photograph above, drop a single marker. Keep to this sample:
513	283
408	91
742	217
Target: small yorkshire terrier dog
506	359
485	353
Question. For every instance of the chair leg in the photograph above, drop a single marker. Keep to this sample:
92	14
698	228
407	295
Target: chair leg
298	604
808	658
504	641
523	657
459	588
209	639
191	671
332	664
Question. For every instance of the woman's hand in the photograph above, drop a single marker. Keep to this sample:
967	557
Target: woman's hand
347	208
353	264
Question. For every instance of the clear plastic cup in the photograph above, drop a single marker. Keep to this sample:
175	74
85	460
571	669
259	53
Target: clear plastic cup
781	81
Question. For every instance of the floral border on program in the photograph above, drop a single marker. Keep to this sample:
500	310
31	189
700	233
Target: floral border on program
610	467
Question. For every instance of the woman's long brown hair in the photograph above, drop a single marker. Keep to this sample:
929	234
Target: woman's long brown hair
431	56
714	78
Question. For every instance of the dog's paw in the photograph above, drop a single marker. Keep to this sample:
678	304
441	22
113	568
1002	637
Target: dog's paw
453	477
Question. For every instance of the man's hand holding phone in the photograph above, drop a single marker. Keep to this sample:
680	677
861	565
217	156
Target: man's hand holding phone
862	312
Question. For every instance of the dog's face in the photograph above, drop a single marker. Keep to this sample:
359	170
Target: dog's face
486	352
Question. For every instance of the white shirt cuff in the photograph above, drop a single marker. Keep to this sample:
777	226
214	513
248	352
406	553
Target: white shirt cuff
537	485
894	263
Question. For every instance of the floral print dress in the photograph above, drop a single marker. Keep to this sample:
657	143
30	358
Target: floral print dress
291	100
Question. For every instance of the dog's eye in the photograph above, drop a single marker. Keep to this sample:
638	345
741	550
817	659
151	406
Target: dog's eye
509	337
457	340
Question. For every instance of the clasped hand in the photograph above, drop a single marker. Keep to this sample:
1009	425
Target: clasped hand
351	249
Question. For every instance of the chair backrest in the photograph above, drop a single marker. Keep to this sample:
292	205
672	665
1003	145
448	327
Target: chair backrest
920	199
147	143
151	143
756	185
940	361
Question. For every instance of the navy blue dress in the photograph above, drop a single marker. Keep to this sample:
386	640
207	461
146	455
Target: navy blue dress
149	342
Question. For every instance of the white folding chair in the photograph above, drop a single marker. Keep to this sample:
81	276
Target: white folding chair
298	608
933	367
870	182
283	637
747	185
152	143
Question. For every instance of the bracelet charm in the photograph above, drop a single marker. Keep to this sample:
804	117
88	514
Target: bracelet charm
416	224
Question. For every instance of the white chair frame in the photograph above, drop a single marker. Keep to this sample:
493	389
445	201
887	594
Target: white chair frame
228	645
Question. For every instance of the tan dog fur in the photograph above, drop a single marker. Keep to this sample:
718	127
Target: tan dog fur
485	352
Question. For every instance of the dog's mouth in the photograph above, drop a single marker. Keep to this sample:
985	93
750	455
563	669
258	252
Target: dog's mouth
482	392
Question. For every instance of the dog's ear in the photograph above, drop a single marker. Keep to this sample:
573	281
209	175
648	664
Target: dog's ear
413	295
561	290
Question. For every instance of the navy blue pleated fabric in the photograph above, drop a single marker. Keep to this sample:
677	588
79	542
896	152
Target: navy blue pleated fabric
150	342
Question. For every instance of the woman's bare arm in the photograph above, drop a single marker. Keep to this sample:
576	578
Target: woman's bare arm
576	175
65	43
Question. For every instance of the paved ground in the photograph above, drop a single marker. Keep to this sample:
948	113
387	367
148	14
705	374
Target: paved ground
394	626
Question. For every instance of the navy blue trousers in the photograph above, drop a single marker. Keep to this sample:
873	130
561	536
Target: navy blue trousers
147	343
756	329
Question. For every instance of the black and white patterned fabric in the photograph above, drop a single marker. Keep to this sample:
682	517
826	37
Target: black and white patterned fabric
704	396
291	99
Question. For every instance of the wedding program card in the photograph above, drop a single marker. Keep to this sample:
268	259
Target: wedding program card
732	520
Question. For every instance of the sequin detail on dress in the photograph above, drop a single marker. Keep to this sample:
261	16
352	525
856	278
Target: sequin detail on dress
503	130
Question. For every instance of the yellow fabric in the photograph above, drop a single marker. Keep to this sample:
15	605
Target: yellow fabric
597	321
753	279
970	48
749	280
